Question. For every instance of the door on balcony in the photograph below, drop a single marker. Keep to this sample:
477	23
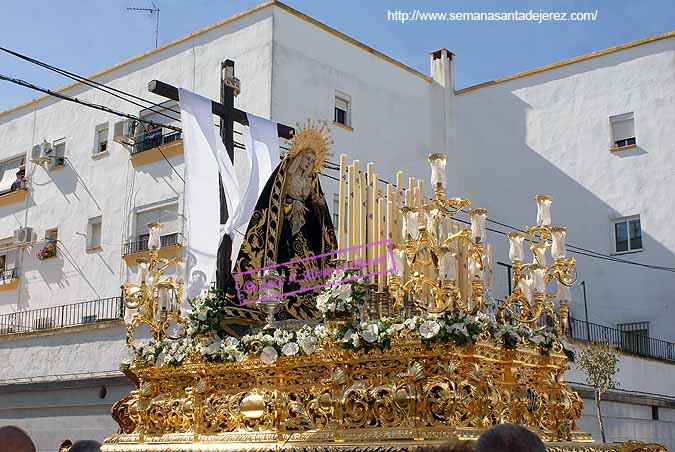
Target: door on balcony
166	214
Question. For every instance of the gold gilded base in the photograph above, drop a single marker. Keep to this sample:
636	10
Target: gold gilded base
337	400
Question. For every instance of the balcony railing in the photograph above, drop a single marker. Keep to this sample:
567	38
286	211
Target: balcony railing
7	275
142	245
626	341
62	316
152	139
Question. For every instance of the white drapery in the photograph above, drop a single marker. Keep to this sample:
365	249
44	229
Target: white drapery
261	139
205	156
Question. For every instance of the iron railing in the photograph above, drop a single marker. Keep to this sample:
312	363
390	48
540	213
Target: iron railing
626	341
142	244
62	316
152	139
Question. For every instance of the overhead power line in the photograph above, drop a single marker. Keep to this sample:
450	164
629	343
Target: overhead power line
328	164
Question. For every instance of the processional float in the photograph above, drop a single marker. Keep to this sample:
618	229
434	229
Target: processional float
411	349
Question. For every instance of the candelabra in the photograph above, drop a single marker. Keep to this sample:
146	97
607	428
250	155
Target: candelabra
428	251
155	299
530	302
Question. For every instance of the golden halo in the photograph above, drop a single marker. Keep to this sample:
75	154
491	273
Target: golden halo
315	136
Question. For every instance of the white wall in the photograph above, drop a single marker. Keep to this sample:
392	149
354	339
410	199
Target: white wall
110	186
397	116
549	133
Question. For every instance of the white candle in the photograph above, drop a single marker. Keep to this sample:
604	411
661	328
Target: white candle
410	193
438	172
363	202
539	253
478	224
413	224
558	247
448	266
341	202
164	299
180	272
525	286
475	268
142	272
516	252
153	240
399	260
543	210
351	200
538	280
563	292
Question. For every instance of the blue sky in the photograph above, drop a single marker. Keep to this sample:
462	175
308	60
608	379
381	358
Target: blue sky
86	36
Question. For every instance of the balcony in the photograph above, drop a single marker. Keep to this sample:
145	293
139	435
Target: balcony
13	195
626	341
170	245
154	146
9	279
55	317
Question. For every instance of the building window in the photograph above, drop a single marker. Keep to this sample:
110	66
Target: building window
9	179
627	234
52	235
343	113
58	154
101	138
655	413
94	230
166	214
623	130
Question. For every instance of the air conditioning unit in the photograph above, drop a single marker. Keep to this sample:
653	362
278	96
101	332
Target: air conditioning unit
23	235
124	131
41	153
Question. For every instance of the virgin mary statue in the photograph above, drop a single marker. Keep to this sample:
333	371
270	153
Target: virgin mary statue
291	231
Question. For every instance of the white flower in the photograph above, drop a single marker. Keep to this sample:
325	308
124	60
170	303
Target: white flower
459	327
213	346
308	344
231	341
203	312
269	355
290	349
370	333
429	329
410	323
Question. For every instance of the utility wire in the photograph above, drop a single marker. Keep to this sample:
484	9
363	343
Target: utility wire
107	89
572	248
82	102
328	164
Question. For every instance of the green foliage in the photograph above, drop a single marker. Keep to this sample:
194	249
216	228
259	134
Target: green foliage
600	364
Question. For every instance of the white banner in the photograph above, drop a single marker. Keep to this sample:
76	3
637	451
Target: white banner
261	139
205	155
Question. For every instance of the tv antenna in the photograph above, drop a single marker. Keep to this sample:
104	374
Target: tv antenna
153	10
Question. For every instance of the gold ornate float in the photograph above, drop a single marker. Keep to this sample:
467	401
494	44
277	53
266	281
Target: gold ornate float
422	357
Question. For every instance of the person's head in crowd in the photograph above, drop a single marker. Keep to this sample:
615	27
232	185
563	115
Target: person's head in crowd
14	439
85	446
509	438
65	446
20	174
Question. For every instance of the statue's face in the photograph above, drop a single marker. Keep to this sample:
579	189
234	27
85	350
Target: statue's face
307	159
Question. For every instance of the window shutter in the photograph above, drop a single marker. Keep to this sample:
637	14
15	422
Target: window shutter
341	103
623	127
168	215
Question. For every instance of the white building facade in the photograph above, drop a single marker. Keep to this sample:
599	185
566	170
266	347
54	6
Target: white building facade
552	130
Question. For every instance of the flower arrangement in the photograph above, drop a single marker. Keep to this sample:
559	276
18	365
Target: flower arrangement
202	343
342	296
47	251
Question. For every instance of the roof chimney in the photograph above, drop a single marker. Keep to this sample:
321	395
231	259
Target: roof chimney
441	67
